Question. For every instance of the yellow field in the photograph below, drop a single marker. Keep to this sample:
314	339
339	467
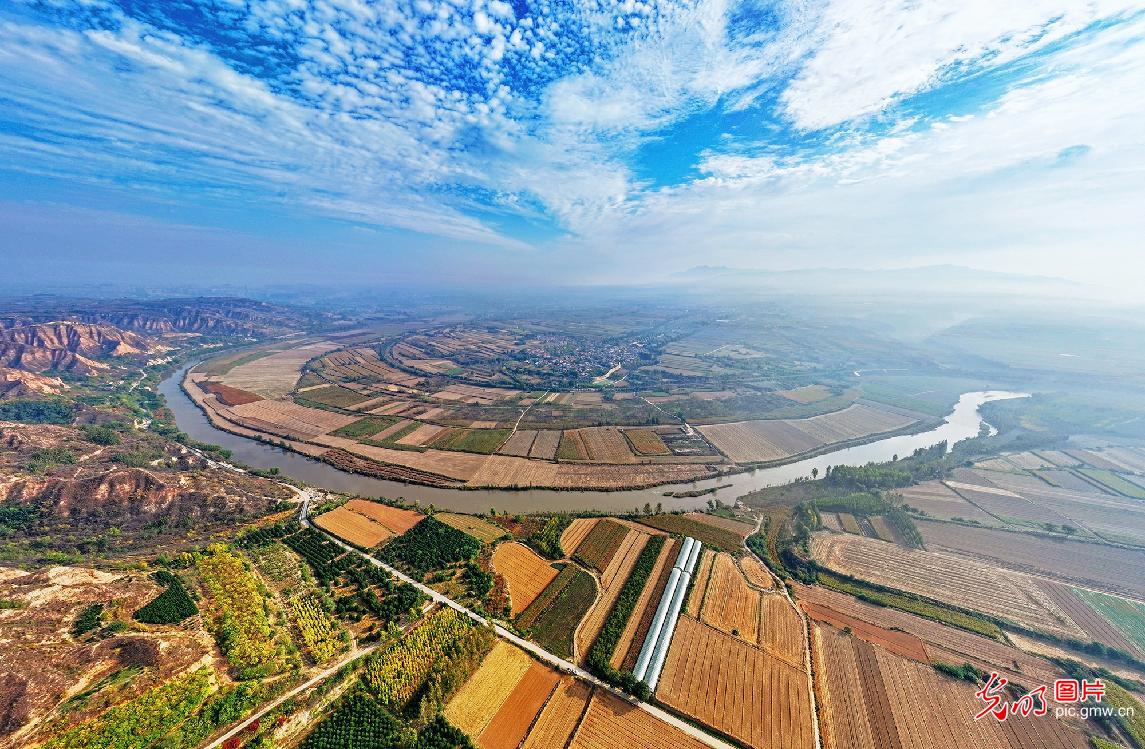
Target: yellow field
560	716
475	704
730	605
482	530
353	528
526	573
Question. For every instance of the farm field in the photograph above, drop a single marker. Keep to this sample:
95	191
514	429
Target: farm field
285	417
1116	483
560	716
482	530
639	622
938	500
702	574
736	688
526	573
353	527
1106	567
397	519
514	718
552	619
699	527
899	643
646	442
274	375
611	581
776	439
1008	506
872	699
729	604
942	642
606	445
545	445
954	579
610	723
519	444
572	536
601	544
474	706
738	527
755	572
1112	517
1127	617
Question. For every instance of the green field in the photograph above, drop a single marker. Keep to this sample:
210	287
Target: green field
1114	482
338	397
365	427
1127	616
553	626
483	441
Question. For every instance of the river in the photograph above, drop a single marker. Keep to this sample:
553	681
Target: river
962	422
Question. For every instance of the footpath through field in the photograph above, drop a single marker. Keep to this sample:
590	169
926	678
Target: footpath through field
536	650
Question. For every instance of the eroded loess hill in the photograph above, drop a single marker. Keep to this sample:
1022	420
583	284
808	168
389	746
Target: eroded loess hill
44	658
61	492
15	383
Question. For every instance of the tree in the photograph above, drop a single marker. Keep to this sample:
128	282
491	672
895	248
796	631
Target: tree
814	473
647	508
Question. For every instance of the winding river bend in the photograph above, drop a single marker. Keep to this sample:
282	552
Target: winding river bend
962	422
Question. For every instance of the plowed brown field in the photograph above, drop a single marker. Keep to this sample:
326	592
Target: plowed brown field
526	573
509	726
736	688
899	643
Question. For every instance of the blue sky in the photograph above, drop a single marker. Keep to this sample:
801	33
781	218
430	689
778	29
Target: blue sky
588	141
